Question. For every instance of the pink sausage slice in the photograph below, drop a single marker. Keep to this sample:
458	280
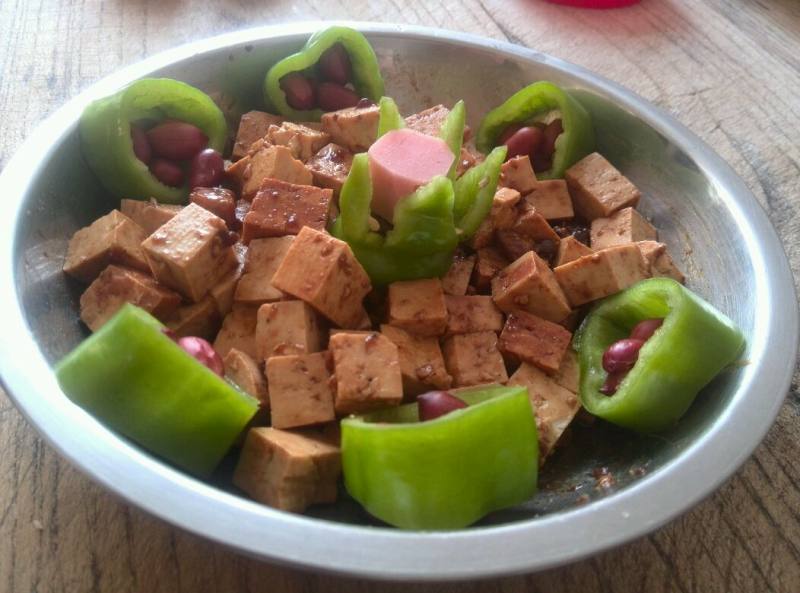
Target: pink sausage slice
401	161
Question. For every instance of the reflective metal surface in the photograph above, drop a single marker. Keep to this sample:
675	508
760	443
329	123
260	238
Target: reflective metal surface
701	208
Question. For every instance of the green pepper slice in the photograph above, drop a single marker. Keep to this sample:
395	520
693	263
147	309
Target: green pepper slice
535	100
389	117
139	382
445	473
105	130
474	193
692	346
368	81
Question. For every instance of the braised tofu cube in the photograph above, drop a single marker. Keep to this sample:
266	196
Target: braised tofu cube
116	286
624	226
601	274
148	214
268	162
471	314
514	245
551	199
429	121
111	239
531	224
367	368
200	319
245	373
598	189
468	158
456	280
223	291
288	470
285	328
264	256
504	208
300	390
418	307
322	271
303	141
570	249
191	252
658	261
517	173
253	126
421	361
238	332
354	128
330	166
555	406
488	264
528	284
484	236
281	208
569	373
534	340
473	359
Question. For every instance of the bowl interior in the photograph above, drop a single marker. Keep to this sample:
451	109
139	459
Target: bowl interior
685	204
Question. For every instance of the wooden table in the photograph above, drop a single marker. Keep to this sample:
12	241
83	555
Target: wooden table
730	71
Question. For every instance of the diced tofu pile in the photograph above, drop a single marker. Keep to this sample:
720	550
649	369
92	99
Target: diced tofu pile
284	302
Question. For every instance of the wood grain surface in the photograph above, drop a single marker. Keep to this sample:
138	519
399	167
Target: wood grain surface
728	70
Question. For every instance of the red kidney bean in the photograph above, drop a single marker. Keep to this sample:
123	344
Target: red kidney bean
204	353
218	200
176	140
438	403
524	141
299	91
540	162
621	355
141	145
645	329
167	172
551	132
332	97
334	64
611	384
508	132
206	169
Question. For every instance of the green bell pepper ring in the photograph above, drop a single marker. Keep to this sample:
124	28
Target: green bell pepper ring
692	346
474	193
105	130
139	382
536	100
445	473
367	78
390	118
423	239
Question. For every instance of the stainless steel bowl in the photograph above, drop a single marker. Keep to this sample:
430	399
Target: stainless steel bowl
702	209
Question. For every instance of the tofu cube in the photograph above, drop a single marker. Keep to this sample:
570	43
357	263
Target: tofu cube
456	280
111	239
200	319
303	141
288	470
551	199
488	264
473	359
421	362
468	158
471	314
150	214
598	189
624	226
429	121
504	208
418	306
555	406
116	286
530	223
225	289
601	274
252	126
355	128
285	328
484	236
238	332
514	245
300	390
658	260
535	340
569	373
330	166
191	252
570	249
273	162
528	284
243	371
264	256
517	173
322	271
367	368
281	208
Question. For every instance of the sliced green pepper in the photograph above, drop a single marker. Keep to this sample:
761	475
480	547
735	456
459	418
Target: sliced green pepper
366	72
452	133
445	473
139	382
532	102
105	130
474	193
390	118
692	346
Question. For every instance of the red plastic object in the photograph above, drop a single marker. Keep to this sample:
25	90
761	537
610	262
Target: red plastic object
595	3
